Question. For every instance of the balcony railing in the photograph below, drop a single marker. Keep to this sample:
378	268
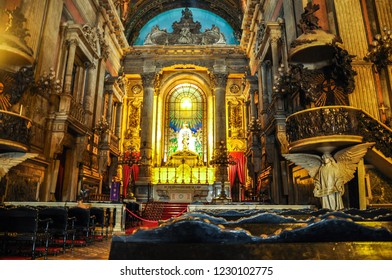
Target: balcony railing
338	120
14	131
76	111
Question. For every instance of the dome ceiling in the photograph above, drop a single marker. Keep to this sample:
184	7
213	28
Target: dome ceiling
145	10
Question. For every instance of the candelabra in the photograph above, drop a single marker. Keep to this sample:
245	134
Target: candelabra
222	159
102	126
381	50
130	157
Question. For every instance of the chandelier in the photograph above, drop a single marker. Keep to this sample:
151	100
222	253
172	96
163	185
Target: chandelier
381	50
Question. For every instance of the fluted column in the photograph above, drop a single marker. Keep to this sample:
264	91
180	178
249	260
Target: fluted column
88	99
264	96
253	88
110	107
220	80
221	174
118	119
275	38
146	124
72	44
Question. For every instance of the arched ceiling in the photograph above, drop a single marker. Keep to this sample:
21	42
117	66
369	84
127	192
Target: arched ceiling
144	10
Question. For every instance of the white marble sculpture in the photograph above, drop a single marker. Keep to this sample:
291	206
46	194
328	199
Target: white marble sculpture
9	160
330	173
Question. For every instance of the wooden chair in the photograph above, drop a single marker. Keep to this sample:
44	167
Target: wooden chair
101	221
62	227
24	232
84	225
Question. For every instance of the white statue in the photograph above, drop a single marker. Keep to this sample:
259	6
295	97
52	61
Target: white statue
9	160
330	173
185	139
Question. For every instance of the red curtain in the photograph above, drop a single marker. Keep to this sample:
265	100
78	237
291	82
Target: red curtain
126	173
239	168
135	172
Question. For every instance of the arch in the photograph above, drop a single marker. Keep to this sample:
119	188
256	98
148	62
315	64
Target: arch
231	11
206	27
170	83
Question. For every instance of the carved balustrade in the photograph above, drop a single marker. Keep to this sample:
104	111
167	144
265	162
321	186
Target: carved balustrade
183	174
77	112
14	131
339	120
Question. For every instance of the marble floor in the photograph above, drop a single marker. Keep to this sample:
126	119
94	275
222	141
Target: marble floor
98	250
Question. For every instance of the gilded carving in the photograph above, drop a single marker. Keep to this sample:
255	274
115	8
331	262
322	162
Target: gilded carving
134	111
235	117
16	21
234	88
136	89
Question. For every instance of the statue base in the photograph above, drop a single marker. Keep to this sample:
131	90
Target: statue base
221	200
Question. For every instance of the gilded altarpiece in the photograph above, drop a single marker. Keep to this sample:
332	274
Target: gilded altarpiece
235	117
132	120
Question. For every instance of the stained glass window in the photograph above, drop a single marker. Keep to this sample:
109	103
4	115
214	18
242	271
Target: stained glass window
185	112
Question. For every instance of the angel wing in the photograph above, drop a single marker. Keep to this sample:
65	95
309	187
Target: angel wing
9	160
347	159
310	162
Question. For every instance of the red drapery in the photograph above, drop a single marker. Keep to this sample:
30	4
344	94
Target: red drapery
239	168
126	173
129	171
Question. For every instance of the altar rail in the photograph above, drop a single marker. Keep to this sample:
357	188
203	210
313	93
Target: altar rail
183	174
116	221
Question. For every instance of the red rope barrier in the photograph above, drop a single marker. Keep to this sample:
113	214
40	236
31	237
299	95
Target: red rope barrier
140	218
151	221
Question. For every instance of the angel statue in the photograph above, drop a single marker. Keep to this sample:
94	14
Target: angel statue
9	160
330	173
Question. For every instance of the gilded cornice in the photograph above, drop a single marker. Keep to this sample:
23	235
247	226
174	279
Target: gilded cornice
113	21
184	50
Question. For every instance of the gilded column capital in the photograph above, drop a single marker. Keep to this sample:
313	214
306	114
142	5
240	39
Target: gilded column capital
219	80
148	79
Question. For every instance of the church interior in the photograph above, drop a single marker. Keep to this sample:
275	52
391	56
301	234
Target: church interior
270	119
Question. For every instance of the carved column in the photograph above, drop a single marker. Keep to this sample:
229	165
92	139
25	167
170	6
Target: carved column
253	88
110	107
118	119
220	80
221	175
275	39
264	96
146	123
72	44
88	99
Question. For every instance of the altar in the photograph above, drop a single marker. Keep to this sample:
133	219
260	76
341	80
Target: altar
183	193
